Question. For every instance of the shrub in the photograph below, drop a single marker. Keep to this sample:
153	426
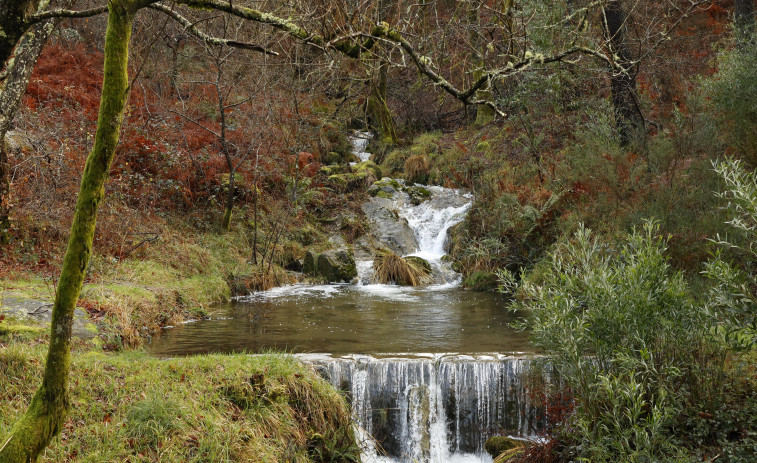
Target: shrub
734	92
416	168
623	335
733	296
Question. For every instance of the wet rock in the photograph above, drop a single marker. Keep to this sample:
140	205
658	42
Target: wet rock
336	266
294	265
309	265
388	227
384	188
417	194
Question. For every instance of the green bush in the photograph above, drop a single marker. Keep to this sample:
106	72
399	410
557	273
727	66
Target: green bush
734	92
619	328
733	297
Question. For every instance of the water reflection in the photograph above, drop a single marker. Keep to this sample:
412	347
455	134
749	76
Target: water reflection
351	319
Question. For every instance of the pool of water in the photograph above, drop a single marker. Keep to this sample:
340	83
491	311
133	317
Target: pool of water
349	319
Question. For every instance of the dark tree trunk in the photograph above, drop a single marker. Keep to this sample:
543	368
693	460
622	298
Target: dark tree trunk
14	15
628	117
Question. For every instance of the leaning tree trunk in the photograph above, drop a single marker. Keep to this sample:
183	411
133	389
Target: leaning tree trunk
18	70
484	113
628	117
47	410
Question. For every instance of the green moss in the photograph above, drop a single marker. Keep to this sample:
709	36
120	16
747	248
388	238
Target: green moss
481	281
495	446
368	167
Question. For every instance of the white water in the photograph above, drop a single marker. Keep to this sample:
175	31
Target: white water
433	408
359	141
431	219
429	408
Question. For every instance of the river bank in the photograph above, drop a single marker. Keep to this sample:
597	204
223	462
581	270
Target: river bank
129	406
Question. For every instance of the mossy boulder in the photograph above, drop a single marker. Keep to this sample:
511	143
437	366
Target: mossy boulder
481	281
334	169
368	167
417	194
350	181
310	264
336	266
497	445
384	188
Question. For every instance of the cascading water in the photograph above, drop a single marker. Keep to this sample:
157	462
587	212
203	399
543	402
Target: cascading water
359	141
430	408
434	408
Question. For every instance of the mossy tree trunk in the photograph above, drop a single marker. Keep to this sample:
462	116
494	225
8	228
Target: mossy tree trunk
628	117
18	70
484	114
377	108
379	114
47	410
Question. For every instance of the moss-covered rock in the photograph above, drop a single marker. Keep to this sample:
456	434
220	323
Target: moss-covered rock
310	265
334	169
417	194
350	181
384	188
496	445
481	281
368	167
336	266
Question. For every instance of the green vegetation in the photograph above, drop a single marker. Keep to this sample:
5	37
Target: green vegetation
202	408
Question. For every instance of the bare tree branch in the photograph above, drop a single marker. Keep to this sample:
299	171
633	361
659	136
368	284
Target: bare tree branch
192	29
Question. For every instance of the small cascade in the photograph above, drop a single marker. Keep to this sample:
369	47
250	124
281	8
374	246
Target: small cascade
434	408
360	141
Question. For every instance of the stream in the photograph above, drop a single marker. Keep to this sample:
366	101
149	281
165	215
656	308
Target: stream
431	372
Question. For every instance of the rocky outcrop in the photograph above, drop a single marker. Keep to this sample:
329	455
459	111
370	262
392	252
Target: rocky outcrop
388	227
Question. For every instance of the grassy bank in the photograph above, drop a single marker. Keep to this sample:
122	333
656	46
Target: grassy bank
131	407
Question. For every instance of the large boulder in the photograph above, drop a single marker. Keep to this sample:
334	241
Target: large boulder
336	266
388	227
310	265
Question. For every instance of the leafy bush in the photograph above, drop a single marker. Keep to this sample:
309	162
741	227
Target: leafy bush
733	296
623	335
734	92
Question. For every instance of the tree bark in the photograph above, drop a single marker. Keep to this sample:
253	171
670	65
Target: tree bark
18	70
14	15
47	411
628	117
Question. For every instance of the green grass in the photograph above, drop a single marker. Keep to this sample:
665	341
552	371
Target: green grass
129	406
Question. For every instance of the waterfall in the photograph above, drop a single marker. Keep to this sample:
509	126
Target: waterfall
359	142
433	408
